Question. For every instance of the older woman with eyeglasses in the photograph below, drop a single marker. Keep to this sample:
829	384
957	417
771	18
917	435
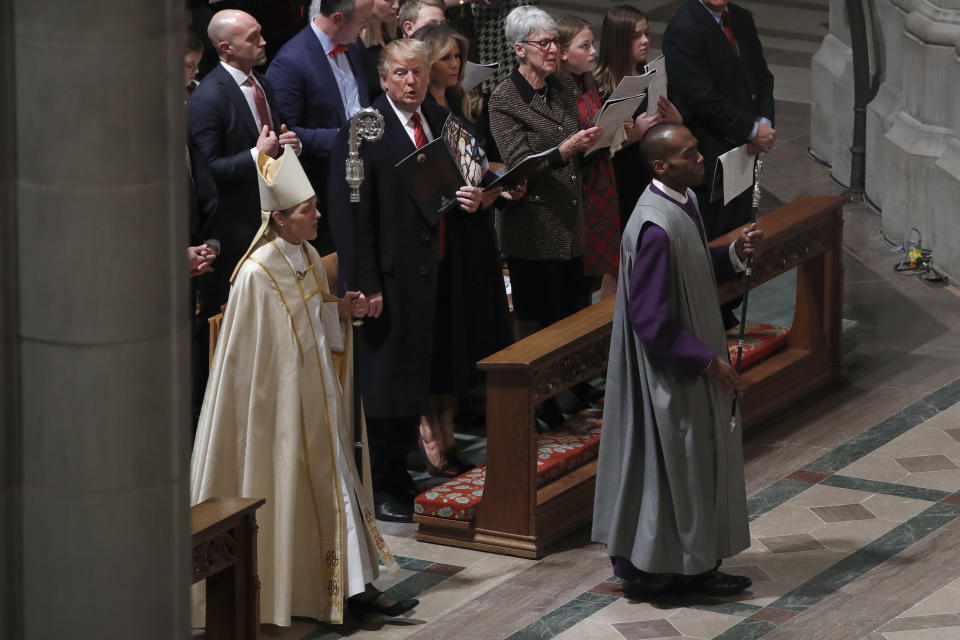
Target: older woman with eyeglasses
534	110
542	234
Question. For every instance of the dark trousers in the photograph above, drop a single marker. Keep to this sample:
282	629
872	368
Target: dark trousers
389	440
718	218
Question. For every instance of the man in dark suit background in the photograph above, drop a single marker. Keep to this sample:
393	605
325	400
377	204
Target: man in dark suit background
320	83
396	265
231	116
719	81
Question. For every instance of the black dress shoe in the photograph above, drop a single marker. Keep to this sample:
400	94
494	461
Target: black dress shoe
360	608
392	509
714	583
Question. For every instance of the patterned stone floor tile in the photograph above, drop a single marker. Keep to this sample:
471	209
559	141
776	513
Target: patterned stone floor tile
917	464
886	488
445	570
948	633
811	477
850	536
563	617
608	588
894	508
953	433
749	629
921	441
843	513
789	570
940	480
702	624
784	520
922	622
940	602
646	629
753	571
771	614
954	585
823	496
624	610
953	498
874	467
589	630
791	543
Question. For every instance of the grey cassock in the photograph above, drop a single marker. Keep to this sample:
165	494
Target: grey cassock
670	491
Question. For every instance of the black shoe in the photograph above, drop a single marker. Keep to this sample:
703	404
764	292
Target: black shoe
392	509
550	413
714	583
360	608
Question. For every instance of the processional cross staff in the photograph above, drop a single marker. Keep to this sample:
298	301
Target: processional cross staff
747	275
365	125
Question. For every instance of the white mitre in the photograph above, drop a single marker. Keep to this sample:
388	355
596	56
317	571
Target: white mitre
283	184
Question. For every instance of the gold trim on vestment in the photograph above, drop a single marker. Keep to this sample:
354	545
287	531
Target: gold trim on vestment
283	300
338	570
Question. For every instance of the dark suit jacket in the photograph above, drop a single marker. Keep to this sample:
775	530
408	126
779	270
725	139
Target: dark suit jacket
222	132
397	253
719	93
309	103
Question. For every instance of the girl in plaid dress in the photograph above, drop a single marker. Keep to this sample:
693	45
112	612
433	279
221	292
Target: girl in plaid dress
601	256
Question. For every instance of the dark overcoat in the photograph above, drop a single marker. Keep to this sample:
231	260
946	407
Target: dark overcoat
719	93
396	253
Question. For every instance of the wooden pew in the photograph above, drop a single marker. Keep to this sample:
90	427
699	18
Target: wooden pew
516	517
224	532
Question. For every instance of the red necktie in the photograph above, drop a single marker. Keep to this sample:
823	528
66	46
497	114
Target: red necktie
728	30
337	50
260	102
420	139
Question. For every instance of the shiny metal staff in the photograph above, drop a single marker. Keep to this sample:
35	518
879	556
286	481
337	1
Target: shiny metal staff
366	125
747	274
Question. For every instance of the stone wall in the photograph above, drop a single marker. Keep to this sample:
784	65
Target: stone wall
913	123
94	418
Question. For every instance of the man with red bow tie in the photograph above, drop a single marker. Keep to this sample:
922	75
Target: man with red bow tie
320	81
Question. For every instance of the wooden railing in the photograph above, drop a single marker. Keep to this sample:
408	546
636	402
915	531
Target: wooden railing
518	518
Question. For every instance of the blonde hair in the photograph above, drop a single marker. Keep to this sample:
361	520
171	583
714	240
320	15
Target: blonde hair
403	49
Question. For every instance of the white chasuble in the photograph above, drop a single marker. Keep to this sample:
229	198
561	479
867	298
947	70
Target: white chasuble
276	423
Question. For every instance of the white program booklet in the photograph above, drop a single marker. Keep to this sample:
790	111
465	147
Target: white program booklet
657	69
737	172
475	73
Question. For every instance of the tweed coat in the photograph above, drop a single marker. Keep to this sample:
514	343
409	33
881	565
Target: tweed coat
547	223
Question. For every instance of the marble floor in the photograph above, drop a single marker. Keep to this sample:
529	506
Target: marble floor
854	493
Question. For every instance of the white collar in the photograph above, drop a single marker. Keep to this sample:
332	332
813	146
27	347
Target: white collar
676	195
405	116
239	76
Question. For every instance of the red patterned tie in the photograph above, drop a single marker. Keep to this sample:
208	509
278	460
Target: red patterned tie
260	102
337	50
420	139
728	30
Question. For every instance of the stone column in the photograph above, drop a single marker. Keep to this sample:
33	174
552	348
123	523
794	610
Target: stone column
889	16
920	130
944	191
831	110
102	366
11	586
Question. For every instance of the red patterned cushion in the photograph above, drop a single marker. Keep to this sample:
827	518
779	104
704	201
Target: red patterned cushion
759	341
558	452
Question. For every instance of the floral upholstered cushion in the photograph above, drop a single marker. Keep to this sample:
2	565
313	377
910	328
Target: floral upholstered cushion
558	452
760	340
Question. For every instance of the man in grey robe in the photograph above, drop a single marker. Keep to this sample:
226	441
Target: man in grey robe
670	500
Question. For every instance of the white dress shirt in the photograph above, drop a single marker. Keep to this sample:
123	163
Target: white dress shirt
340	65
406	119
247	91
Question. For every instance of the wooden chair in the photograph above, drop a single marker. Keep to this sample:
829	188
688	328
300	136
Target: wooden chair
515	516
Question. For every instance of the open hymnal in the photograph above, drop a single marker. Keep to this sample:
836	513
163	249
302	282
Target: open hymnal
524	171
611	118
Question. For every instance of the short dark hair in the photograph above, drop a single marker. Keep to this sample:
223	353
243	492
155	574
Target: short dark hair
330	7
655	143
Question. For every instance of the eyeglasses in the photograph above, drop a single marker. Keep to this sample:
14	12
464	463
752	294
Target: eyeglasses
544	44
